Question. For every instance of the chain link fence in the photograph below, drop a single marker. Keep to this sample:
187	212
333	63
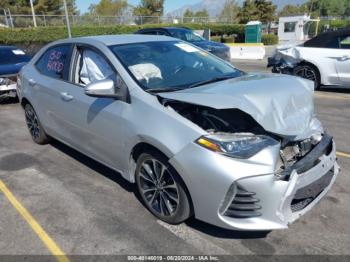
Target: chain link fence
59	20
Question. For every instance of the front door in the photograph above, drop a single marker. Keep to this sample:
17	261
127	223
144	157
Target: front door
94	126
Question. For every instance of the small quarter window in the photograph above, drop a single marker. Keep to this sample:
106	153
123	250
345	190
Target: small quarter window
54	61
92	67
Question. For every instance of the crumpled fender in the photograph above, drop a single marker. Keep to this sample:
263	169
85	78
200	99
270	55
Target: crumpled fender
289	54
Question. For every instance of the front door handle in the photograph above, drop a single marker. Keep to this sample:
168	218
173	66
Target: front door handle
66	96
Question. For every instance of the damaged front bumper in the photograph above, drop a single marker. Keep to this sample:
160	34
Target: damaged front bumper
280	66
8	86
247	194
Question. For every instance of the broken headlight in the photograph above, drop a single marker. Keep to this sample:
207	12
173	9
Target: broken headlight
243	145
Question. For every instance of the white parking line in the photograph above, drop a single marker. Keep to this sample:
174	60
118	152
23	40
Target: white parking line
194	239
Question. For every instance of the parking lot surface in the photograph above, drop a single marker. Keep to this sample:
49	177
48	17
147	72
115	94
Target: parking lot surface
88	209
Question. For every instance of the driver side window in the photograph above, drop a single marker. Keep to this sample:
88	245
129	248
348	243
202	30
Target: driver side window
92	67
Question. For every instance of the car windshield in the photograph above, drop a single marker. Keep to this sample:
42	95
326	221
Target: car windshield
12	56
186	35
168	65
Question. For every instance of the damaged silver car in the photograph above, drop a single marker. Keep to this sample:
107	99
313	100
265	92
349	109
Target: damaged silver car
198	137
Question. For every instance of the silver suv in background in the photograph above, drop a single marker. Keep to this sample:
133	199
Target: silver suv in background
197	136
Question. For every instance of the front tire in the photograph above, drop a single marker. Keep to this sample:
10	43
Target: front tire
34	126
309	72
161	188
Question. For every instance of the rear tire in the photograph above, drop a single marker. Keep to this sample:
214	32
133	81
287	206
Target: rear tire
34	126
309	72
162	190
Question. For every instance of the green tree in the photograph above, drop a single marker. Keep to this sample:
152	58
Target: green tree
347	9
150	8
328	7
202	13
230	12
49	7
108	7
16	6
248	12
261	10
188	13
266	11
290	10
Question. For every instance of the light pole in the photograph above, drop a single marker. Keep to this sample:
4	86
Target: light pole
67	18
33	13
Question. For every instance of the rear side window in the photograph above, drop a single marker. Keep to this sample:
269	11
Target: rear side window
55	62
161	32
147	32
333	43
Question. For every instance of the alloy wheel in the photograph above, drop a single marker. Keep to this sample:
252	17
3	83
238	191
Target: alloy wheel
32	123
158	188
306	72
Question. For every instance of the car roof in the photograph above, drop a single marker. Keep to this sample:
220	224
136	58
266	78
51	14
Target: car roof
162	28
7	47
110	40
322	39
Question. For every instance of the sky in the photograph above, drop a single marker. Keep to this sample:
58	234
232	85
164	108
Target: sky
169	5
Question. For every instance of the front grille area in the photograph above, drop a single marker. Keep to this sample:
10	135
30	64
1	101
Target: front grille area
304	196
244	205
311	159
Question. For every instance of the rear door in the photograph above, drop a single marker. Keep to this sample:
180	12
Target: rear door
49	80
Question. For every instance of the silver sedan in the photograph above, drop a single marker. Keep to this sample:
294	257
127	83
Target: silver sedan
198	137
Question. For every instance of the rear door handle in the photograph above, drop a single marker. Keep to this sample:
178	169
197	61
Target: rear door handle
66	96
32	82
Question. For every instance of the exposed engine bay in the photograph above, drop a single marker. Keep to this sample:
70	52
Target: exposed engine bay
236	121
214	120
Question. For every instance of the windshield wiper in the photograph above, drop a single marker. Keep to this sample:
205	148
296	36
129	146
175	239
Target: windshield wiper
212	80
163	90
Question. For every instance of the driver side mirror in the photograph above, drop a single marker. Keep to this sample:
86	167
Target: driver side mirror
101	88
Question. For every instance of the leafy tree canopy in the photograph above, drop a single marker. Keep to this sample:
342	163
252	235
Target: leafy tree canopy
260	10
230	11
49	7
150	8
108	7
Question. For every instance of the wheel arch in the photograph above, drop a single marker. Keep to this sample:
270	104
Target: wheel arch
24	102
143	147
314	65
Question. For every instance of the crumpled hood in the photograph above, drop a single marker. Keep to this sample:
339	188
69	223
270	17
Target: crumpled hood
281	104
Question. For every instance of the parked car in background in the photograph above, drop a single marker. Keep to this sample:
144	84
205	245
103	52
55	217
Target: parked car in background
324	59
188	35
197	136
12	59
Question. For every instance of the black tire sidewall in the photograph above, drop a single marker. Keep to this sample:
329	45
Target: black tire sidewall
43	139
183	211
